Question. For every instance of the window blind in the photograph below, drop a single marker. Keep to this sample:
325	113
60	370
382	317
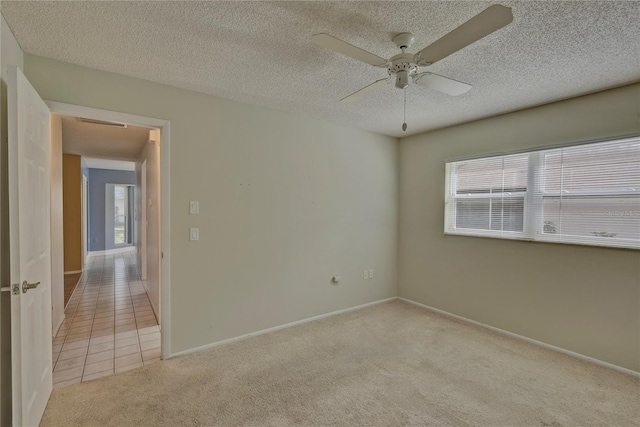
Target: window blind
585	194
489	194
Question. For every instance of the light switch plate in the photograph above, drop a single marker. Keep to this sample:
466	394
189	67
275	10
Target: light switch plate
371	273
194	207
194	234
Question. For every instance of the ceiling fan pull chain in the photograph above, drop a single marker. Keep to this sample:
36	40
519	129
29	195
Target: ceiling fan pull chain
404	124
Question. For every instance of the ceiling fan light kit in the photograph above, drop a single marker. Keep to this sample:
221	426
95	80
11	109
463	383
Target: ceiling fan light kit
404	66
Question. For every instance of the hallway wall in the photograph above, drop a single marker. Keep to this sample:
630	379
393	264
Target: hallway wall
72	208
149	228
57	225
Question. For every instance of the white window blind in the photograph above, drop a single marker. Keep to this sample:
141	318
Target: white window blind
585	194
489	194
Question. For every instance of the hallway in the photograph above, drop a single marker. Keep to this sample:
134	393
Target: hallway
109	327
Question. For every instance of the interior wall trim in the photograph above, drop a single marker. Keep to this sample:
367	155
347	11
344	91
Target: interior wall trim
529	340
284	326
58	326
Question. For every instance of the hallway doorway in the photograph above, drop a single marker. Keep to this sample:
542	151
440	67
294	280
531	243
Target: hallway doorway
111	321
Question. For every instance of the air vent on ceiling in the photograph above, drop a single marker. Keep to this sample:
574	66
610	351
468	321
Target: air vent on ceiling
102	122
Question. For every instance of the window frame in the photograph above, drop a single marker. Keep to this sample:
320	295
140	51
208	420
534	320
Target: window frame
534	196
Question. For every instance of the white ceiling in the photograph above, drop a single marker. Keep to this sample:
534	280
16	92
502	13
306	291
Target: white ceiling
261	53
100	141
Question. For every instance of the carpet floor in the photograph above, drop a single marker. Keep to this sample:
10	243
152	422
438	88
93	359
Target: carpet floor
392	364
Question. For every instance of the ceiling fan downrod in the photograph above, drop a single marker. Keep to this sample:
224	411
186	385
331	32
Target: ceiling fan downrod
404	124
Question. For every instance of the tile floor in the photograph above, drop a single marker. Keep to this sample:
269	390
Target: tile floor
109	325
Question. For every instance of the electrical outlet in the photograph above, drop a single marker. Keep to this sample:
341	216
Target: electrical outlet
365	276
371	273
194	208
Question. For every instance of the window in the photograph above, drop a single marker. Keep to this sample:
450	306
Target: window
585	194
122	215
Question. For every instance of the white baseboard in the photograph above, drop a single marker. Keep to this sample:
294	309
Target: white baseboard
57	328
156	312
75	289
112	251
529	340
277	328
66	273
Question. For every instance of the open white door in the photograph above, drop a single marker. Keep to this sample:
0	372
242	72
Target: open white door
30	250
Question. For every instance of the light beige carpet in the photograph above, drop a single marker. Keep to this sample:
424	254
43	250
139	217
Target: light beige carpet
387	365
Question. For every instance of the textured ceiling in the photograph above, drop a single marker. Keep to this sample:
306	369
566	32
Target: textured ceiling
261	53
100	141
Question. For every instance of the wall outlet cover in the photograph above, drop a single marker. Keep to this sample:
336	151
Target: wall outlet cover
194	234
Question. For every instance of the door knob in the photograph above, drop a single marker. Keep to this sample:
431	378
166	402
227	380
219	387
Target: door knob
26	286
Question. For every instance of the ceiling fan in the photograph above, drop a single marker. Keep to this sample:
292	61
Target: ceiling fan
404	66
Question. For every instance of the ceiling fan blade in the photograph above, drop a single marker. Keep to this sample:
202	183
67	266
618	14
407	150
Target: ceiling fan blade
337	45
486	22
365	90
442	84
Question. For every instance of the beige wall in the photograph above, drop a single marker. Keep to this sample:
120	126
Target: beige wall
286	202
584	299
57	225
72	208
10	54
151	212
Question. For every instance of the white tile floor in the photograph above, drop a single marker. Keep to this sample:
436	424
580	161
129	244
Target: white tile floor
109	325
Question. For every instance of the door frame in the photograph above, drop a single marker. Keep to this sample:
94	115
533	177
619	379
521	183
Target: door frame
85	223
165	203
142	223
129	223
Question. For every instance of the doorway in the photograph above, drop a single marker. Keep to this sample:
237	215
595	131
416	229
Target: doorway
112	314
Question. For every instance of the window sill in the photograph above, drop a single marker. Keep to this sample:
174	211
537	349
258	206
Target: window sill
521	238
